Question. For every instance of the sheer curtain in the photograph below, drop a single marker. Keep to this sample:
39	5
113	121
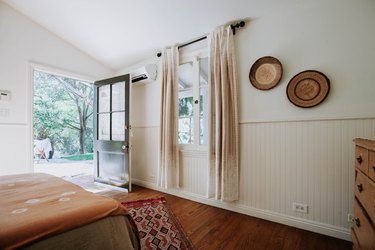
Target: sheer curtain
168	171
223	128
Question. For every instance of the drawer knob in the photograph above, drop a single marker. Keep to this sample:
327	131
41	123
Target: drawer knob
357	222
373	168
359	159
360	187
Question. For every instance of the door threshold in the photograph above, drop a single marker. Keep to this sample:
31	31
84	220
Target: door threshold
111	186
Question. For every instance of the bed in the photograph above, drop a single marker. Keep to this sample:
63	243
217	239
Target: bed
40	211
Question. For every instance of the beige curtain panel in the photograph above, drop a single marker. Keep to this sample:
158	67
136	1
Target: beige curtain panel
168	171
223	128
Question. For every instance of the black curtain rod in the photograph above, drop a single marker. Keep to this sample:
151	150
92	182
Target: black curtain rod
186	44
191	42
233	26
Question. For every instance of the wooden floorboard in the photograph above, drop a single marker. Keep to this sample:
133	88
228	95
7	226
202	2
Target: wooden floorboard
214	228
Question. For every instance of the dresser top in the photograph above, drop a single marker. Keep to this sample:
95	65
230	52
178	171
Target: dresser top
370	144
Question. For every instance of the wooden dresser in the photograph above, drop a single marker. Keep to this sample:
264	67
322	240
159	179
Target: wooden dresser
363	230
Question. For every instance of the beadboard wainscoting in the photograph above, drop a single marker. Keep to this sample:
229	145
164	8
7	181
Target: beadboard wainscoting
20	154
308	162
144	153
194	172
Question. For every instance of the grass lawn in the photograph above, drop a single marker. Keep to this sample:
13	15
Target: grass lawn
82	157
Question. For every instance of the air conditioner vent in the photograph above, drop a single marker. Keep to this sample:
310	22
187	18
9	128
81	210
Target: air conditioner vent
144	74
139	78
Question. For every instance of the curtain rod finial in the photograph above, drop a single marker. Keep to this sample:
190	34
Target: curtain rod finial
238	25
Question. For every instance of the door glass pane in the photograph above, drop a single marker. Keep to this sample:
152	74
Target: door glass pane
186	104
118	96
103	126
203	71
185	75
104	98
118	126
186	130
112	168
203	101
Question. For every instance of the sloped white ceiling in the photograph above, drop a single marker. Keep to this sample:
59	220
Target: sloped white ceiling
119	33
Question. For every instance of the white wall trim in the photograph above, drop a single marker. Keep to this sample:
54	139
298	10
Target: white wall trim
30	115
283	120
337	232
145	126
32	66
280	120
13	124
308	119
56	71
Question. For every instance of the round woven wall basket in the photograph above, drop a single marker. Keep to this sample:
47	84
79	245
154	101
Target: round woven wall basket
266	73
308	88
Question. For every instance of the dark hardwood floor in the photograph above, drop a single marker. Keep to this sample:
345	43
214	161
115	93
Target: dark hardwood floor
214	228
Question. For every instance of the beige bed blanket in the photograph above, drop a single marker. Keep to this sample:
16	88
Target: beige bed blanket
35	206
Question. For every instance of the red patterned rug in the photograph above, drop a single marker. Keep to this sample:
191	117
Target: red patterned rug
157	225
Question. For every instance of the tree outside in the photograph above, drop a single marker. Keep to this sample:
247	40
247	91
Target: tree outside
63	112
185	122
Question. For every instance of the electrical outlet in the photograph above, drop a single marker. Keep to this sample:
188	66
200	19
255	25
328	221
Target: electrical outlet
299	207
350	218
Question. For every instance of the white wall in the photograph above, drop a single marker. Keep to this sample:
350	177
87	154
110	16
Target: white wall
144	120
287	154
334	37
22	42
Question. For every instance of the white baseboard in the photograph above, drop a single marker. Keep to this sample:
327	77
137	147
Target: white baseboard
313	226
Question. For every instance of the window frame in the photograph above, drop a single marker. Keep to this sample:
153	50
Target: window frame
194	57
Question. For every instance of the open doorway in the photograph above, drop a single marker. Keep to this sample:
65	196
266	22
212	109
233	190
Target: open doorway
62	125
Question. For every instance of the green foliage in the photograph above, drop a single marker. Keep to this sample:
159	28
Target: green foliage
185	106
56	112
82	157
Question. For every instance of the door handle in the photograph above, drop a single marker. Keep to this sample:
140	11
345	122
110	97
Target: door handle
359	159
357	222
360	187
125	148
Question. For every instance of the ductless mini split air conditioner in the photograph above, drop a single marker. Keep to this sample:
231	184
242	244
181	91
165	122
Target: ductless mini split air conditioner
144	74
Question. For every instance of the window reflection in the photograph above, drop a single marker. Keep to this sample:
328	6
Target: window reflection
185	104
193	91
203	100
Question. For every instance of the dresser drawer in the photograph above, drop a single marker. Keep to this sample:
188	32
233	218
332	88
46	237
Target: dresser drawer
355	241
361	190
363	229
369	203
371	164
361	159
364	190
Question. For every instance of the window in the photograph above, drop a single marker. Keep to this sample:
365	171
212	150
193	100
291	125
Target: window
193	101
